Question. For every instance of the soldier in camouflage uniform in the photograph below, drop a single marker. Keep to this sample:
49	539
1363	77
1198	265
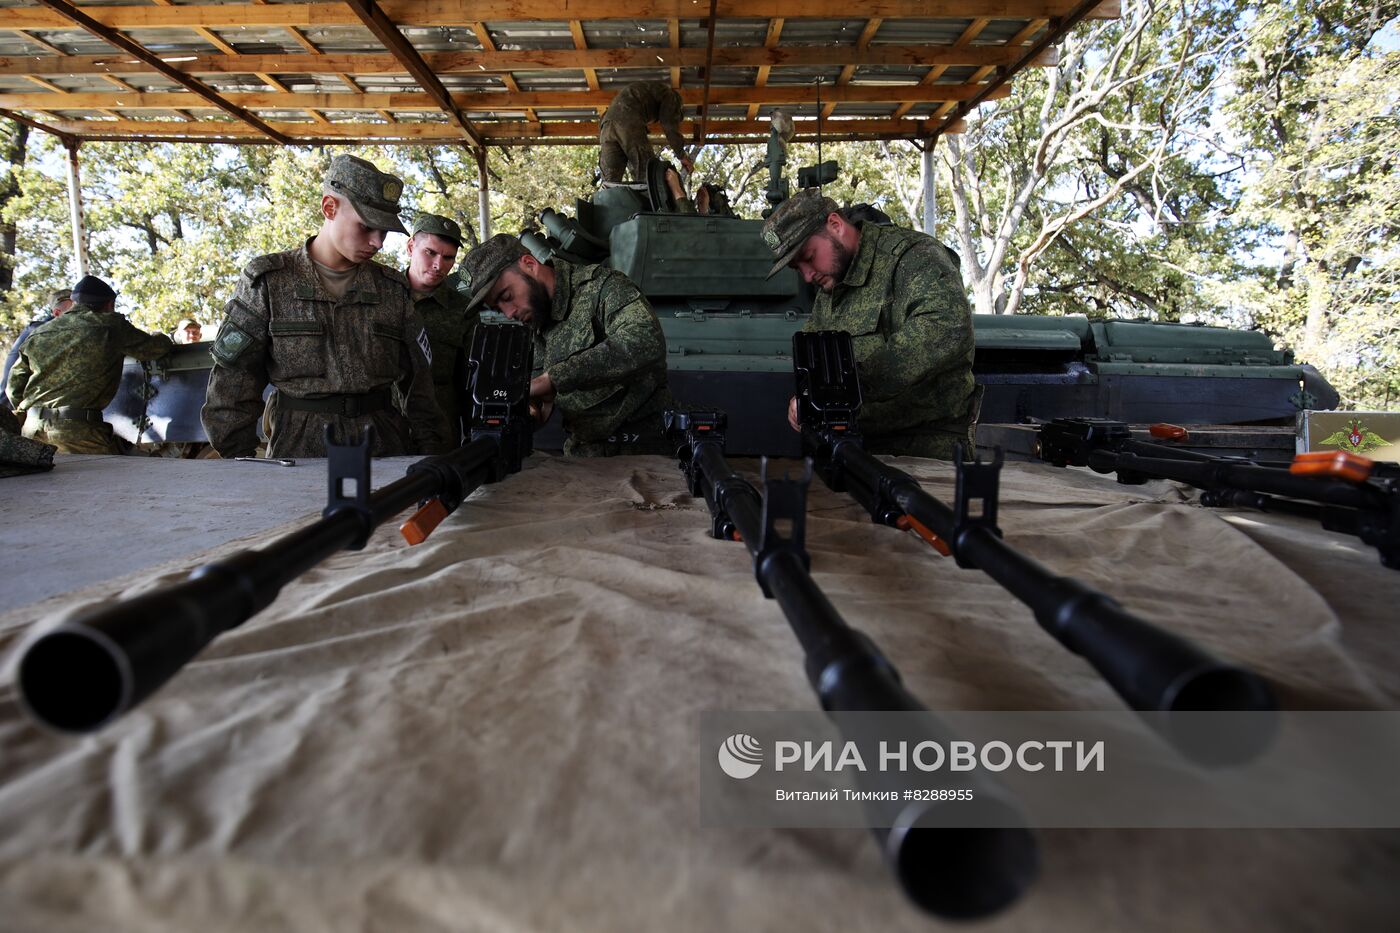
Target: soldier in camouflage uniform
432	251
333	332
622	135
596	338
68	370
60	301
899	295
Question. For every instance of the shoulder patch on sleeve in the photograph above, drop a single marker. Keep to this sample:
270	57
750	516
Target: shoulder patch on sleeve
263	265
231	343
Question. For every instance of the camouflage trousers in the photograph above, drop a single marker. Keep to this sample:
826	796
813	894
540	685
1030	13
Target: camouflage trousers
303	433
447	399
623	146
641	435
73	437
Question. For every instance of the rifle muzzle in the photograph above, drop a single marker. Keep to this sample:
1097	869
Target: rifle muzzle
961	872
89	670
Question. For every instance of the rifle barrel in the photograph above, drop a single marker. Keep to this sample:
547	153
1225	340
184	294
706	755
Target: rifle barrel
89	670
1151	669
954	872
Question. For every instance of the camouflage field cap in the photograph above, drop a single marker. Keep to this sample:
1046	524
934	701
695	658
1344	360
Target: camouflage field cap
90	290
60	295
438	225
374	194
485	264
788	227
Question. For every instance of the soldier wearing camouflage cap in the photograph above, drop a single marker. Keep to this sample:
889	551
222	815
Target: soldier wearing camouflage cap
899	294
597	339
60	300
69	369
432	252
334	333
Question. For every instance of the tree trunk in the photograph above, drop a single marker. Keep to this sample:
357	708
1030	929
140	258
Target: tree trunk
16	148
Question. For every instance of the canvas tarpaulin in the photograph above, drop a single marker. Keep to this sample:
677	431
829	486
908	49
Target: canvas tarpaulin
495	730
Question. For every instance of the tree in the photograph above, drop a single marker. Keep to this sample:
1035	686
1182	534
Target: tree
1317	109
1100	168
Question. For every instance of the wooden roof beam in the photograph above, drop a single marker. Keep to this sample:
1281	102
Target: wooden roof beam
770	41
1058	28
709	70
53	128
118	82
206	34
362	64
673	30
75	16
388	34
872	26
483	35
581	43
457	12
51	49
440	132
483	101
973	30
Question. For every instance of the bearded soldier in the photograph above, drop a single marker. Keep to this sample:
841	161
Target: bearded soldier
597	339
333	332
899	295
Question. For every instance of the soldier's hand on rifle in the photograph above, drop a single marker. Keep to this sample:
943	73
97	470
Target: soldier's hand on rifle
542	388
542	394
792	414
540	411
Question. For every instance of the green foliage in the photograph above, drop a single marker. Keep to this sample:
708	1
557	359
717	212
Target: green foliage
1318	108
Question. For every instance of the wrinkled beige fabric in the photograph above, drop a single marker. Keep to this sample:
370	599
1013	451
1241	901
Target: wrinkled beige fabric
495	730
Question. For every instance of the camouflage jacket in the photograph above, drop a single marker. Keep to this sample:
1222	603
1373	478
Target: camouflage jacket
75	360
649	102
284	328
603	348
902	302
13	355
449	326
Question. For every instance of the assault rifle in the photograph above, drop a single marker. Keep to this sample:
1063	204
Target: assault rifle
955	873
89	670
1344	492
1151	669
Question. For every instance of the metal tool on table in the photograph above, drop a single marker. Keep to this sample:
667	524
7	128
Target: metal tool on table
280	461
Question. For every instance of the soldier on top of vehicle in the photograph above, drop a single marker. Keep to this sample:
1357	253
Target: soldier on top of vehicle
69	369
596	338
333	332
622	134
